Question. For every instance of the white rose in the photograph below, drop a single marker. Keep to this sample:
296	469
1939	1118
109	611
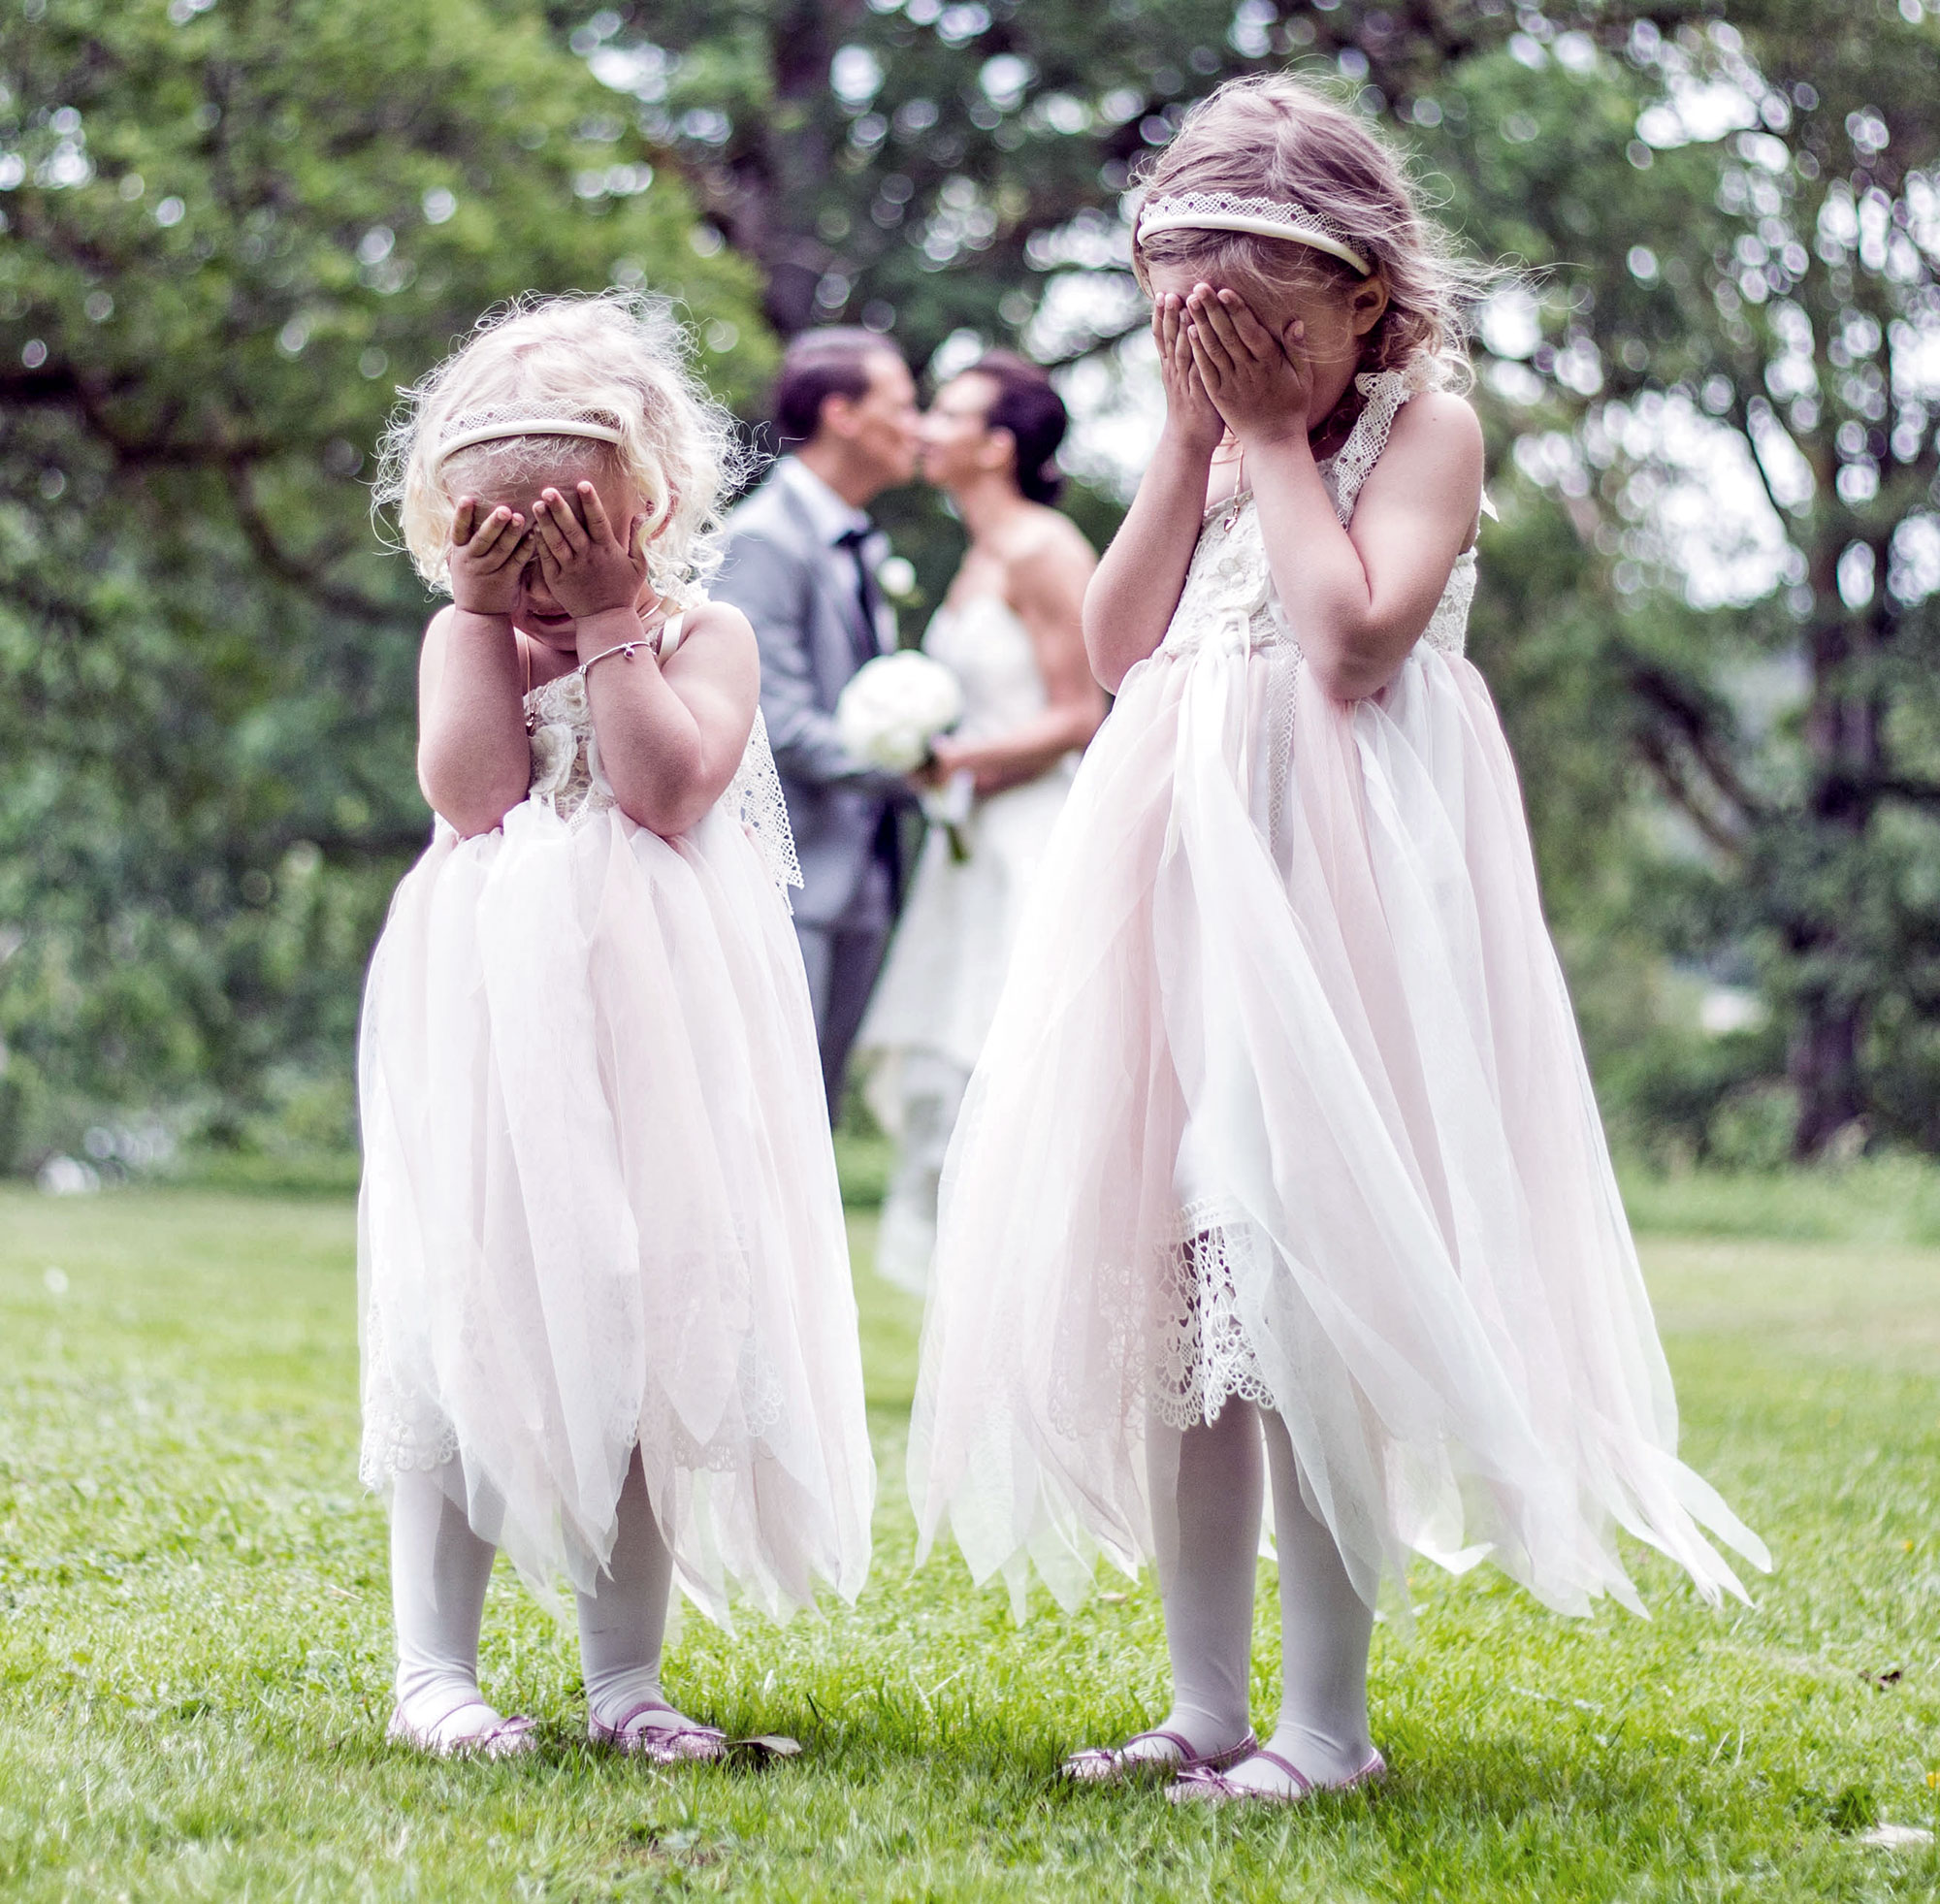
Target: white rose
553	747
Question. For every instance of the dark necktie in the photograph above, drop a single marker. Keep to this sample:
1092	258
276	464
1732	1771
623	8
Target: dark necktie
869	598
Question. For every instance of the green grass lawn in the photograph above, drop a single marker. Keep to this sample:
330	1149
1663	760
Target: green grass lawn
194	1664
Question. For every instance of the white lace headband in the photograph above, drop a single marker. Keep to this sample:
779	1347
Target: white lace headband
1265	217
505	420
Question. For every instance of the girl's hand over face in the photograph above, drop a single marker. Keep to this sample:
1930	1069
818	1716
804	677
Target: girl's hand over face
1189	413
589	569
486	558
1262	385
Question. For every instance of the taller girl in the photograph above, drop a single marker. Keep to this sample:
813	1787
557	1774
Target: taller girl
1282	1155
607	1320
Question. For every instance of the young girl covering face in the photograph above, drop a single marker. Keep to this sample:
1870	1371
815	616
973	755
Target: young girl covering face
607	1317
1281	1158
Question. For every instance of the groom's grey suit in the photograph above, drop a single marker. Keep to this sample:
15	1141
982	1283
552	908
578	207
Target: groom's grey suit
791	566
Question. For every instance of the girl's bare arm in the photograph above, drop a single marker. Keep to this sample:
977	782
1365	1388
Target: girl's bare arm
672	734
474	764
1129	603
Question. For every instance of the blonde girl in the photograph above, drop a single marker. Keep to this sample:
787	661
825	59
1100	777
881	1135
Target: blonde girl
607	1321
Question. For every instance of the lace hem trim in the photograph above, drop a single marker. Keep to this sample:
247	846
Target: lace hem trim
1201	1356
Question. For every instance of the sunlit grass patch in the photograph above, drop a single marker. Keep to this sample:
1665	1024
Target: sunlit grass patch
195	1654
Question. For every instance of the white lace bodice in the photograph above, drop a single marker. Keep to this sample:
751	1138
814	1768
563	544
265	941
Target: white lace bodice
1229	597
569	778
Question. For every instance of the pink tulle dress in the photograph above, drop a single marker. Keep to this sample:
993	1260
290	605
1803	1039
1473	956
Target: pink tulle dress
600	1207
1284	1100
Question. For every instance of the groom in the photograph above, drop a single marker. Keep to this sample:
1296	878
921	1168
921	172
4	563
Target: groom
799	563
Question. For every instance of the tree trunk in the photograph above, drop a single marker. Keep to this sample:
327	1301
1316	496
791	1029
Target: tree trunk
1824	1067
1843	739
792	256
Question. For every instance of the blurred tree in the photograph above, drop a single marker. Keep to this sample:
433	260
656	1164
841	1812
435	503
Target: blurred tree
924	165
229	232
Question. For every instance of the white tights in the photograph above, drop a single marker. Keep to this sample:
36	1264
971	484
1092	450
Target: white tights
1205	1491
440	1569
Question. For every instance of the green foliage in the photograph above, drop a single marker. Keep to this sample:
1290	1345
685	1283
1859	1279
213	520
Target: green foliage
230	234
195	1663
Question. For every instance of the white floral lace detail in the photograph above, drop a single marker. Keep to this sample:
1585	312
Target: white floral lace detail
402	1434
567	775
1199	1354
755	796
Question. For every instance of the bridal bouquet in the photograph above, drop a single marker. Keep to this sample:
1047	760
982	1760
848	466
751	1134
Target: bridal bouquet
894	706
889	713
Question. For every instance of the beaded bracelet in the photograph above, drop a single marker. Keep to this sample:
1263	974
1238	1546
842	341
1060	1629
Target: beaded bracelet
627	648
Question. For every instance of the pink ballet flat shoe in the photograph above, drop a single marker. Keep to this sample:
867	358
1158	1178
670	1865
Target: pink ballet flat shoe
1209	1785
490	1737
684	1744
1105	1765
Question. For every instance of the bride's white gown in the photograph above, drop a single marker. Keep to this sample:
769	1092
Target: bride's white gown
940	984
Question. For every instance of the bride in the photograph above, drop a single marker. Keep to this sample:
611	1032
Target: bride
1009	630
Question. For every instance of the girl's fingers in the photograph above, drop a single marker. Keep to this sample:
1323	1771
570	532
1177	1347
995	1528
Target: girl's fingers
506	539
599	530
1208	347
1222	322
568	520
463	520
1251	336
488	538
1214	371
546	522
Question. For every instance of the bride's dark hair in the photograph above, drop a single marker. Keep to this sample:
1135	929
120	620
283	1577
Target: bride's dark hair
1033	412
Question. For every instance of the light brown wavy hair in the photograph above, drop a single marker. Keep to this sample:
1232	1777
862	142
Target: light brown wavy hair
1273	136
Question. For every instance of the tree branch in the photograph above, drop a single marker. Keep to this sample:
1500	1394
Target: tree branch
305	572
1690	720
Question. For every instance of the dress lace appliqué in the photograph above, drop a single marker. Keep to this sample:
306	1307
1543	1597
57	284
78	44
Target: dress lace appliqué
1200	1355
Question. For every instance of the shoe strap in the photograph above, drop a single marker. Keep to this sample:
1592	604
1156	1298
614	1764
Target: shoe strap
1286	1765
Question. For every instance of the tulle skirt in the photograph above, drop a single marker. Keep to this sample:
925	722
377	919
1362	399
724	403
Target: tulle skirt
599	1208
1285	1099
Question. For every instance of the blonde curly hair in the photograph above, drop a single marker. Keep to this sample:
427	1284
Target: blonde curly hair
1273	136
618	359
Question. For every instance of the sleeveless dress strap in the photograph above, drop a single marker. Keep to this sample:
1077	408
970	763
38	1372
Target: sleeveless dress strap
1384	392
671	632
